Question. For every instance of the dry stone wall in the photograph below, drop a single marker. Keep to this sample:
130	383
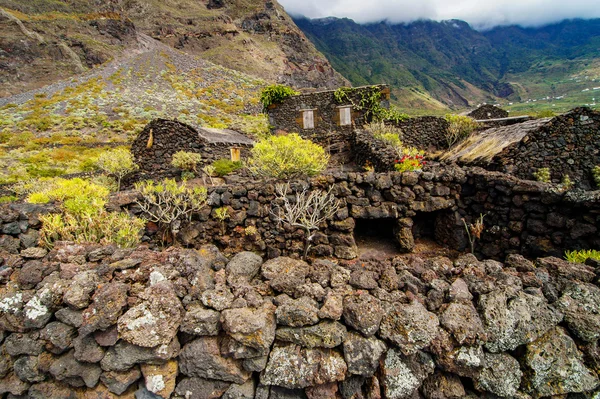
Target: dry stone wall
92	321
426	133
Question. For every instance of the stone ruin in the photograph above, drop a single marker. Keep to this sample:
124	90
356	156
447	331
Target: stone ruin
488	111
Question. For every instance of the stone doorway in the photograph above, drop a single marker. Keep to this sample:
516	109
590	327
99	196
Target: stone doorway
376	236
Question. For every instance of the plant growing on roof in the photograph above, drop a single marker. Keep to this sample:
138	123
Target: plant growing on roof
275	94
287	157
168	203
459	128
308	210
118	163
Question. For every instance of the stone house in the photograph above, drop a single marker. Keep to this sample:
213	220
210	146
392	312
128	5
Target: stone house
567	144
154	147
324	120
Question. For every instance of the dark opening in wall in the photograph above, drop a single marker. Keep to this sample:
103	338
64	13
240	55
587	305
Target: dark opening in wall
424	225
376	235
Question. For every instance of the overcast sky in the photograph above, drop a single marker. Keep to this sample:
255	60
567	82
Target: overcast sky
478	13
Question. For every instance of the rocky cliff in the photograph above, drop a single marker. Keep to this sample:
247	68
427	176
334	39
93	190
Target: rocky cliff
46	40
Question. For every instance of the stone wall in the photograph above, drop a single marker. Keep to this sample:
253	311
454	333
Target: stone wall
568	145
488	111
92	321
370	151
426	133
327	132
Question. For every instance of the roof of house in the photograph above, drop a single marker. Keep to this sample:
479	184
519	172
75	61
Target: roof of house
483	146
223	136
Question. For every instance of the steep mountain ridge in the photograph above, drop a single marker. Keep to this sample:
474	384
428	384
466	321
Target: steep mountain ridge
44	41
448	62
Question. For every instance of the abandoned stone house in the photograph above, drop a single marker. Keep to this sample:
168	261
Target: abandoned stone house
154	147
322	119
567	144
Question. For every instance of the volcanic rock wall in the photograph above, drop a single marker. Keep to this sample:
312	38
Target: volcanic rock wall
100	322
426	133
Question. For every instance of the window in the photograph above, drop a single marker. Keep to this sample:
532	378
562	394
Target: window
345	116
308	119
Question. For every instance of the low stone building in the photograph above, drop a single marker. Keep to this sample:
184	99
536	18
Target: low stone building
568	144
154	147
488	111
323	119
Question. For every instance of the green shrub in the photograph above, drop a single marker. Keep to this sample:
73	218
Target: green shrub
596	175
582	255
224	167
187	161
566	183
287	157
275	94
460	127
83	217
118	163
542	175
547	113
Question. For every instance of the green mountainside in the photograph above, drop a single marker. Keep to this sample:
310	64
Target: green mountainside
449	64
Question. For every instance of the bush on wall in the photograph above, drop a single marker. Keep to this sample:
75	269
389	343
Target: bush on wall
287	157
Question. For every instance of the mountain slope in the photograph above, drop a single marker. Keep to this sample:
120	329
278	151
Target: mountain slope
47	40
448	62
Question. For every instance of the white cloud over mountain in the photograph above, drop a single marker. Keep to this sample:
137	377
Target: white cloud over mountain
479	13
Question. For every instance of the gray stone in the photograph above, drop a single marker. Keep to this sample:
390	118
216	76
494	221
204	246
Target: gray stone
363	312
257	364
243	391
124	355
254	328
462	320
292	366
580	304
118	382
34	253
202	358
200	388
333	307
12	384
87	349
108	337
326	334
554	366
402	376
410	326
108	304
362	354
74	318
243	267
285	274
28	370
83	285
501	375
298	312
23	344
58	337
511	323
459	291
200	321
155	321
219	298
66	368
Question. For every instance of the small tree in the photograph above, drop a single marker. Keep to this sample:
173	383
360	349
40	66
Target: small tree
308	211
118	163
287	157
186	161
460	127
167	203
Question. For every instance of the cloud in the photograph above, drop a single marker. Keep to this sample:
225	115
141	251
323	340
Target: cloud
480	14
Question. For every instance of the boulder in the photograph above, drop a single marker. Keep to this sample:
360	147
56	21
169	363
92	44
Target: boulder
402	375
118	382
443	386
58	337
463	322
410	326
501	375
66	368
326	334
298	312
285	274
107	306
362	354
363	312
202	358
554	366
243	267
254	328
511	323
83	285
156	320
199	320
291	366
124	355
580	304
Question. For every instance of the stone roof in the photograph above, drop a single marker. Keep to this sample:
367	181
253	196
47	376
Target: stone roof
223	136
